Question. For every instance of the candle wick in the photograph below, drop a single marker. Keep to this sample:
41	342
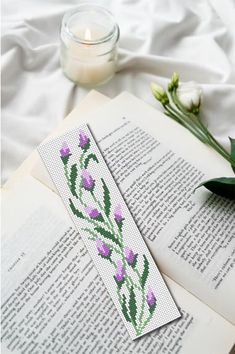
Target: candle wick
87	34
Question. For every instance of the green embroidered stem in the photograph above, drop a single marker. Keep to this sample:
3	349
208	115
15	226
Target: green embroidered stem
106	230
120	299
140	329
66	172
81	159
102	209
143	298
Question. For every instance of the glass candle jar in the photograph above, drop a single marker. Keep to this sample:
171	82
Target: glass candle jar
89	38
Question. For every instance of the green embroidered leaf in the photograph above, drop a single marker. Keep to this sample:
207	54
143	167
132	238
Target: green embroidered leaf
65	159
232	143
145	271
99	218
88	158
133	264
120	224
107	235
119	283
124	309
73	178
132	306
223	186
87	146
75	211
152	308
106	196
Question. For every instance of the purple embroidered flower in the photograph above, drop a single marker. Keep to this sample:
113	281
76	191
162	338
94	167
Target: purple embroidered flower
87	180
150	298
102	248
118	213
83	139
120	271
92	212
65	150
129	255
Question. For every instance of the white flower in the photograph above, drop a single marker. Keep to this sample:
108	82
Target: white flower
190	95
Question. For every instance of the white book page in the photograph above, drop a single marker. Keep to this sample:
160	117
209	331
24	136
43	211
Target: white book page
191	235
53	300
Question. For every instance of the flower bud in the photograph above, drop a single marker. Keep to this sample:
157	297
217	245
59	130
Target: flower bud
92	212
83	139
65	152
150	298
118	213
120	272
174	82
102	248
87	180
190	95
159	93
129	255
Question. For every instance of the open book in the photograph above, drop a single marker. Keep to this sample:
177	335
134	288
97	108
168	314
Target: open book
53	300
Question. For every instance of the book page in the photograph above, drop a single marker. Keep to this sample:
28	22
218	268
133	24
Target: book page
53	300
191	235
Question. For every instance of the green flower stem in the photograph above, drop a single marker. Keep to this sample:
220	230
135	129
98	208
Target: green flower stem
89	220
186	118
95	238
196	119
109	224
81	159
66	172
140	329
119	293
195	131
219	148
125	262
143	298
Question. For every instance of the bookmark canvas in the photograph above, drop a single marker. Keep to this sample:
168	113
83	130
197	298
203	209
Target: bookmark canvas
109	232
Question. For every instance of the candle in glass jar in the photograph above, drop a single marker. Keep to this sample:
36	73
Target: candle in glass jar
89	45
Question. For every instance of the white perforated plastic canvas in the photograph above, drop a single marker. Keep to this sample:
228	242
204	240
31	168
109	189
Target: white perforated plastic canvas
109	232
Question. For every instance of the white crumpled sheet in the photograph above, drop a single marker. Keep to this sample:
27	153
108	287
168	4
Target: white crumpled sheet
194	38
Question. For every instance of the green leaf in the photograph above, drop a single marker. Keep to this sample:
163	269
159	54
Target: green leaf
232	142
106	196
107	235
120	224
124	309
88	158
132	305
223	186
73	178
100	218
75	211
87	146
65	159
145	271
119	283
152	308
133	264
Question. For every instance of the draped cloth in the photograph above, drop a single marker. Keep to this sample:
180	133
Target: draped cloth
194	38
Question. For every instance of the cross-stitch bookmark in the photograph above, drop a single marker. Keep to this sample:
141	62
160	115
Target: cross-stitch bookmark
109	232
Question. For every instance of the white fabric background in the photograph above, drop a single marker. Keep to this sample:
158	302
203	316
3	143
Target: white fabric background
194	38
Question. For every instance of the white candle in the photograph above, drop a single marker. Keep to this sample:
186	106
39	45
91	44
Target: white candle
88	52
